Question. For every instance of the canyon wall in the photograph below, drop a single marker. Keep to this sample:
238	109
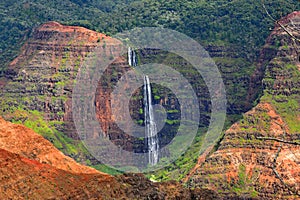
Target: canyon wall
32	168
259	155
39	83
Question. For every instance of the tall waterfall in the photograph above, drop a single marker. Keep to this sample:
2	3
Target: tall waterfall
150	125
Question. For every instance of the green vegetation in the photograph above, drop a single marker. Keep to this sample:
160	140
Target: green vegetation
141	111
106	169
244	187
173	111
156	97
181	166
207	21
172	122
287	108
258	122
34	120
286	101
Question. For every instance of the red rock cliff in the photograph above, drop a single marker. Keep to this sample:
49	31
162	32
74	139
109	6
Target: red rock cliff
259	156
31	168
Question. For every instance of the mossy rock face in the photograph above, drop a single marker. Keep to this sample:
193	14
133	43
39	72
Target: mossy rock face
236	76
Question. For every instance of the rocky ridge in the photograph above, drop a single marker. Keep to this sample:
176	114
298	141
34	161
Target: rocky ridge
22	141
42	76
259	156
37	170
39	82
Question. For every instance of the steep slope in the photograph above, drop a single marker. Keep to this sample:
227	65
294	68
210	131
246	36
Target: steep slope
31	168
259	156
23	141
23	178
40	82
38	89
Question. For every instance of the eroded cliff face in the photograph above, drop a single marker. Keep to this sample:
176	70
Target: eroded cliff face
38	87
32	168
23	141
42	77
39	82
259	156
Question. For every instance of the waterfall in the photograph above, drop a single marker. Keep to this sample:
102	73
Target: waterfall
150	125
131	58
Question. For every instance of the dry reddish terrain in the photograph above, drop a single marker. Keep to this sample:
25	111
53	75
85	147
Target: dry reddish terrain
23	141
31	168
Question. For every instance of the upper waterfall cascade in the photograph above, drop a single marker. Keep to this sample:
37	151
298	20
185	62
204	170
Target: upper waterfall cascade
132	60
151	136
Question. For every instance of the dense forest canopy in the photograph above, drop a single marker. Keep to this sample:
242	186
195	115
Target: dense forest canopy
242	24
